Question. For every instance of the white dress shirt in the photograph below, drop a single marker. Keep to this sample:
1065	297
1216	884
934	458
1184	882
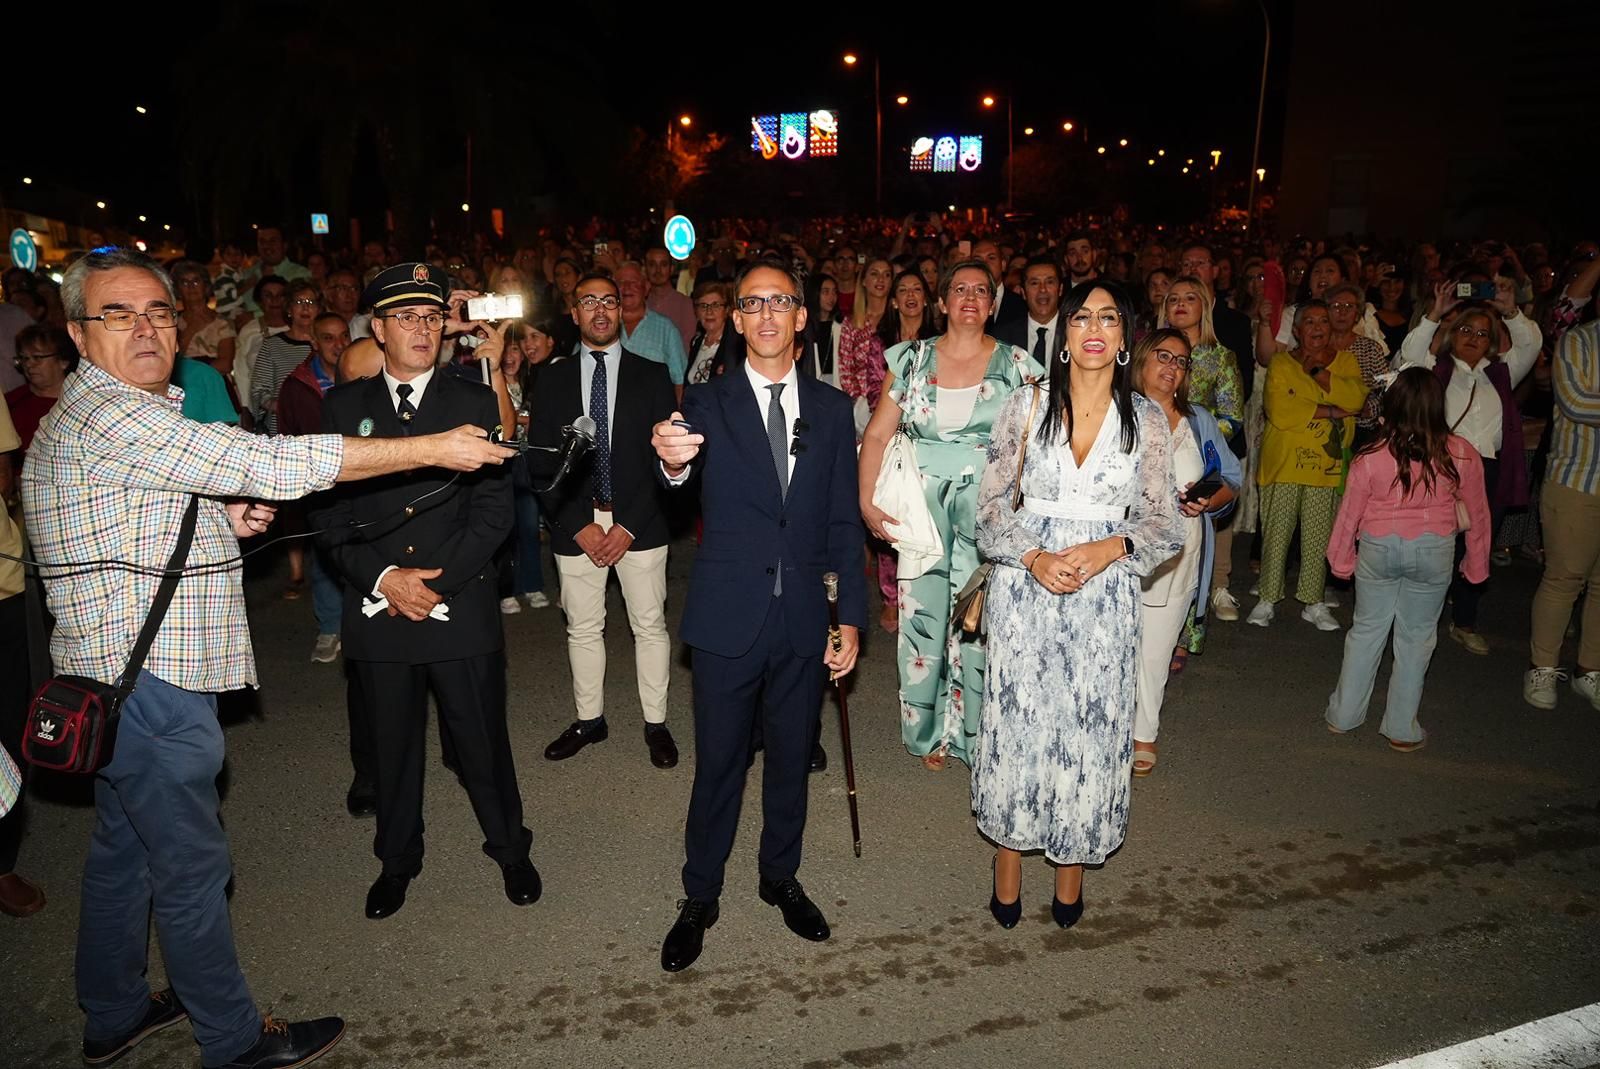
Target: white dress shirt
790	401
376	602
419	386
586	379
1051	343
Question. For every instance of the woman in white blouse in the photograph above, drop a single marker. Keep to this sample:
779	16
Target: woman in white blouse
1480	351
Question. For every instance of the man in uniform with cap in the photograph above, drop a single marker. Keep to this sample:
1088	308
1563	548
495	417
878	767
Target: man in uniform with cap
421	608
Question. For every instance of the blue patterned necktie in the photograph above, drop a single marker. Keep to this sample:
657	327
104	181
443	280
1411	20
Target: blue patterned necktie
598	390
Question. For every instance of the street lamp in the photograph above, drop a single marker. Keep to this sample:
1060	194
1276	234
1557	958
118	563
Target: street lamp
685	121
140	109
1066	127
902	100
1216	158
100	204
1101	150
1256	171
988	102
850	60
1027	131
27	181
465	206
1261	174
1123	143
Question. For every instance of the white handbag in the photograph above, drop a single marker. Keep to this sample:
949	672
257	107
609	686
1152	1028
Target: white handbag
898	492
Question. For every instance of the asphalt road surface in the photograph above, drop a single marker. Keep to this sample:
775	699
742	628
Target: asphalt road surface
1285	897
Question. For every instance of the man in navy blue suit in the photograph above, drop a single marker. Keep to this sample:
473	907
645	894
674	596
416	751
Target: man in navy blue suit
774	454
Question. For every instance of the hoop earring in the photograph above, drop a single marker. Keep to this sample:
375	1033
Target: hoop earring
1066	356
1123	356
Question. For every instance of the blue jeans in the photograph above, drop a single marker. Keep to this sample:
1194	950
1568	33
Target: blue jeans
529	569
1400	583
327	600
158	847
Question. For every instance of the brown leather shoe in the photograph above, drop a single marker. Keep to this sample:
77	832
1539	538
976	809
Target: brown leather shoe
18	897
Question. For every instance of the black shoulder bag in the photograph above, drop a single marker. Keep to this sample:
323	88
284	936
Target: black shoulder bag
72	720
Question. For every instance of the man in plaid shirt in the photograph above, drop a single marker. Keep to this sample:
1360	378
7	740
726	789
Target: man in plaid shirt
108	479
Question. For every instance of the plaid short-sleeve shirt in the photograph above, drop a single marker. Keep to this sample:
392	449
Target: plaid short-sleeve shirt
107	478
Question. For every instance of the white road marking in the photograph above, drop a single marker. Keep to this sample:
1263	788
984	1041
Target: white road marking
1568	1040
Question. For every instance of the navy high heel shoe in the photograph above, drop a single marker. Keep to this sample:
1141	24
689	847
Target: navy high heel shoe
1006	914
1064	914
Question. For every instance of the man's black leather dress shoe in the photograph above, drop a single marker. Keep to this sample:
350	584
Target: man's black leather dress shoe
580	734
819	758
523	886
663	751
165	1010
799	912
361	800
387	895
287	1046
688	934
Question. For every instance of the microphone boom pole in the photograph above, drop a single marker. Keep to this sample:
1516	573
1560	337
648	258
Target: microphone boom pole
831	582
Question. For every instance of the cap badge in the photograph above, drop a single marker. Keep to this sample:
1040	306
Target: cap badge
419	274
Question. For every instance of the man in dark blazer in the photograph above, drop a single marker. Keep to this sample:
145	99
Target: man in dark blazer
608	515
420	599
774	456
1008	306
1042	330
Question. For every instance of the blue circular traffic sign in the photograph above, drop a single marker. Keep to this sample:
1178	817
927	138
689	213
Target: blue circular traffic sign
679	237
25	254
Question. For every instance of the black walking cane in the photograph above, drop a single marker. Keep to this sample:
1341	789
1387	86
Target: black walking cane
831	581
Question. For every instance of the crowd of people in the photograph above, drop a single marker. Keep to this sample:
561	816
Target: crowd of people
1100	423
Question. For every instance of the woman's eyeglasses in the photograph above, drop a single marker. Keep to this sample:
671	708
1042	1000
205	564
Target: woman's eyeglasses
1166	356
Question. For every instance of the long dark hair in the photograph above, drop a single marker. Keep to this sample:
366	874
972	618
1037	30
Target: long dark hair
1414	430
1303	294
889	323
1121	373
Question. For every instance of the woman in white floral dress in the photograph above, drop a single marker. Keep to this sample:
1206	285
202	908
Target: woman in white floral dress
1054	751
945	392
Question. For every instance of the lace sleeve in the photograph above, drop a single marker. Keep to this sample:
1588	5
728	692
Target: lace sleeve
1154	522
1002	536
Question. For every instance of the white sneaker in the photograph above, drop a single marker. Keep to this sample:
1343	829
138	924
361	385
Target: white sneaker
1539	686
1330	598
1319	614
1261	615
326	651
537	600
1223	605
510	606
1587	687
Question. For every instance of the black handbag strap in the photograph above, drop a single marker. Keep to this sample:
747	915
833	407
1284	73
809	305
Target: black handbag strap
158	608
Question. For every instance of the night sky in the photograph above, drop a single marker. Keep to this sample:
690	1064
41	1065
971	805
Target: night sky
1183	75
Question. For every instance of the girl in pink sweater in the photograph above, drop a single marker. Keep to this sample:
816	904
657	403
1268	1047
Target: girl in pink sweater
1400	509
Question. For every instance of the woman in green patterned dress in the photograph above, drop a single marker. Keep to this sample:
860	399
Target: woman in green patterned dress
1214	384
946	393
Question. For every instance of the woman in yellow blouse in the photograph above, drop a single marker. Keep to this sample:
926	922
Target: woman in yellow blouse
1312	395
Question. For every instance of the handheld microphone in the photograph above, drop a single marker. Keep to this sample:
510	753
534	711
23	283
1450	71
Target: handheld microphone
578	440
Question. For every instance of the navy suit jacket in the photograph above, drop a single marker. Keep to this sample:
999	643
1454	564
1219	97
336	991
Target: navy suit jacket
749	528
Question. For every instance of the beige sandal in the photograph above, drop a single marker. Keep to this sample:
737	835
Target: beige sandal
1144	762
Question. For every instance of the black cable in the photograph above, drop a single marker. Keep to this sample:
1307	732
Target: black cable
67	569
